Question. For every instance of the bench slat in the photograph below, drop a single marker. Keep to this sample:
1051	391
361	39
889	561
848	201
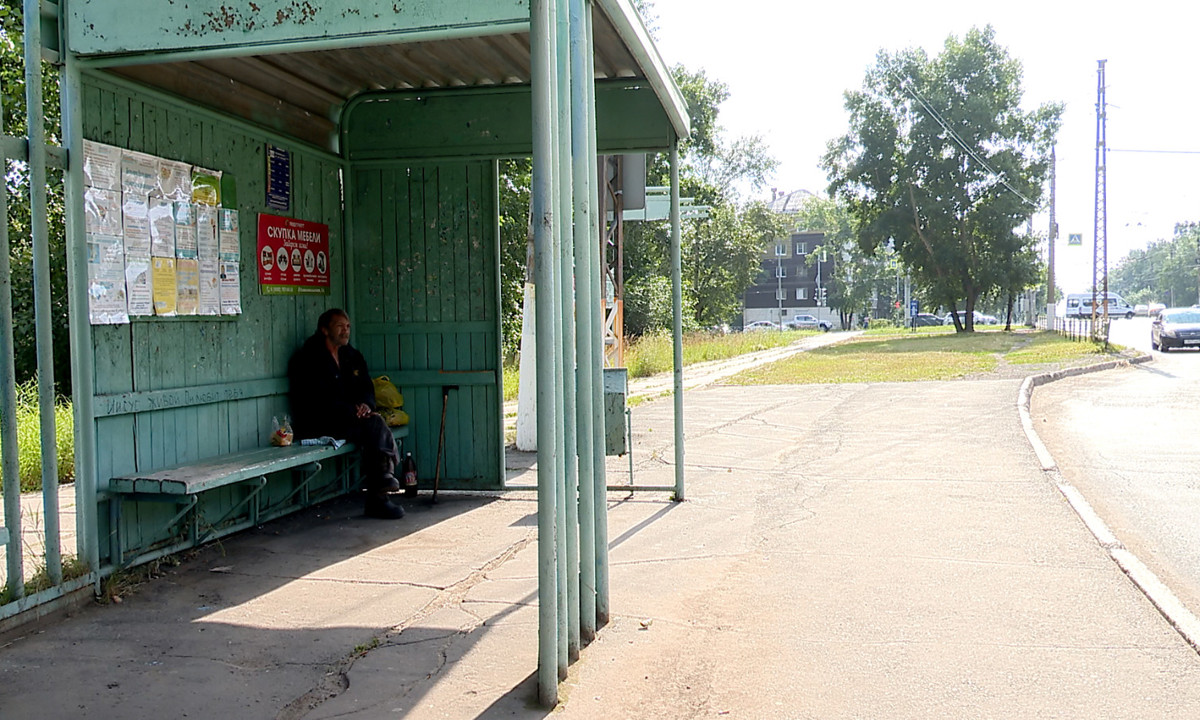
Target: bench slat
195	477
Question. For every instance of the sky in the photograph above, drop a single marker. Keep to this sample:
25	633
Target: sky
787	65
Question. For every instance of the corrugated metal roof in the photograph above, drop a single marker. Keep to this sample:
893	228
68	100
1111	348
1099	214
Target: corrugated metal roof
301	93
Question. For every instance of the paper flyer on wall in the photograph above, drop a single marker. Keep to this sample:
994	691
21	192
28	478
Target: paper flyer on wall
206	232
210	287
187	282
137	286
231	288
106	280
139	175
102	211
174	179
101	165
206	186
162	227
185	230
162	279
230	239
136	222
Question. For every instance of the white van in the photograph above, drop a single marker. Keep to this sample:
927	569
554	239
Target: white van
1079	305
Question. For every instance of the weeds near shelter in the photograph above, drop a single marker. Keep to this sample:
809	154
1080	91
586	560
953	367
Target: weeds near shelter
29	434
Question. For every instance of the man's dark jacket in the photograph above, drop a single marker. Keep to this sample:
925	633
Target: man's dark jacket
324	394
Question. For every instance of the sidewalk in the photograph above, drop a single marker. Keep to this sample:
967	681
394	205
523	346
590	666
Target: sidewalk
846	551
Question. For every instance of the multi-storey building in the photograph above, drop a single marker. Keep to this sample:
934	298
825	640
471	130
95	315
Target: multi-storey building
795	275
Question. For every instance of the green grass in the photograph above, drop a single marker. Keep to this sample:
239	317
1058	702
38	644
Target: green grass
29	444
897	357
653	354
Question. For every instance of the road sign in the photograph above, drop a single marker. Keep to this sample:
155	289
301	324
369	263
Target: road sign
1075	239
913	307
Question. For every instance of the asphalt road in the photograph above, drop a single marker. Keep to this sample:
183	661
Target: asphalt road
1128	440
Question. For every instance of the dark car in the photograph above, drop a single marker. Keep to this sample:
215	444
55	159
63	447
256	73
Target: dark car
1175	327
925	320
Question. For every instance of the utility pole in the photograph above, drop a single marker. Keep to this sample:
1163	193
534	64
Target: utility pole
1053	237
1100	248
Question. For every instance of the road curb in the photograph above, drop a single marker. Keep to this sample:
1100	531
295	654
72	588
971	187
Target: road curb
1180	618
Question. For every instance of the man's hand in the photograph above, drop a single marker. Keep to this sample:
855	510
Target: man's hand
362	410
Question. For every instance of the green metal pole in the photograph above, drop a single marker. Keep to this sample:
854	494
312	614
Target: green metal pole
542	81
87	527
677	315
599	474
560	458
14	557
584	193
43	313
566	275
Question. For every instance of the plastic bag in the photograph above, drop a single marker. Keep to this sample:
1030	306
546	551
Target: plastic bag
281	431
394	417
387	395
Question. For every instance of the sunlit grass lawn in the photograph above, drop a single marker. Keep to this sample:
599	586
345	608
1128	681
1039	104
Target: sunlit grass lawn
898	357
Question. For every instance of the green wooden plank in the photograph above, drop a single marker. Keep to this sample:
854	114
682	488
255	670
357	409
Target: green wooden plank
108	405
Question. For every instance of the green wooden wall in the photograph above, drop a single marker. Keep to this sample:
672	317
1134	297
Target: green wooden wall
180	365
424	278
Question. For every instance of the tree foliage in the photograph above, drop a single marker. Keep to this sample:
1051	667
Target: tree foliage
1166	271
941	161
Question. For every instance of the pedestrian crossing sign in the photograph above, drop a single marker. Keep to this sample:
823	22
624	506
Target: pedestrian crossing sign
1075	238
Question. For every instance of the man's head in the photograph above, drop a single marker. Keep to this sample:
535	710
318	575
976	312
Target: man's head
334	324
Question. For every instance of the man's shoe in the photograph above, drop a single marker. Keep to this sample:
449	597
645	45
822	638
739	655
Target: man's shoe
389	483
379	506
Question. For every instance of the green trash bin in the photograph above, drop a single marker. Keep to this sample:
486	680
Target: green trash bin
616	430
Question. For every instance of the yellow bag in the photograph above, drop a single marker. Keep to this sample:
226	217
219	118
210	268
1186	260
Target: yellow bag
393	416
386	394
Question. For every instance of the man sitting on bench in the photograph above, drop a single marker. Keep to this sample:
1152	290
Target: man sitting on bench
331	394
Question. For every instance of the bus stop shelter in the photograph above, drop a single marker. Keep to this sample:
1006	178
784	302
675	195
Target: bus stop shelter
357	140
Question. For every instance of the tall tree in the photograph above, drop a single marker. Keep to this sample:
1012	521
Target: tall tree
941	160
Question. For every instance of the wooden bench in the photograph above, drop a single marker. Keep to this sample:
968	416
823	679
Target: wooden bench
183	484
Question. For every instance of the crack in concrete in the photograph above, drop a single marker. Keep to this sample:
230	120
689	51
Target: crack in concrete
336	680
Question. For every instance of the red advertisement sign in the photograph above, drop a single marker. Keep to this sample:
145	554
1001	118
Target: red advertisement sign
293	256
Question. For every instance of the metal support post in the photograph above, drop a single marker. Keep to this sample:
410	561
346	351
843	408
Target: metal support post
87	529
542	81
600	474
8	417
677	317
567	349
43	312
584	195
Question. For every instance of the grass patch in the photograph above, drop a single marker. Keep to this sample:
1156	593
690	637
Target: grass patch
511	376
896	357
653	354
72	567
1048	347
29	443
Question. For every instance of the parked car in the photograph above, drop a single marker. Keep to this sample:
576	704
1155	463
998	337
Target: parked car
1141	309
761	325
987	319
808	322
1175	327
925	320
962	318
1154	309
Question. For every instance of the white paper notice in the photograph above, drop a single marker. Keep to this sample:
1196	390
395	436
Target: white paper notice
231	242
139	175
101	165
206	232
106	280
137	286
102	211
137	255
174	179
185	231
162	227
231	288
210	287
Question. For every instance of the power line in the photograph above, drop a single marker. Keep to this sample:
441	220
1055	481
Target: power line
958	139
1158	152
